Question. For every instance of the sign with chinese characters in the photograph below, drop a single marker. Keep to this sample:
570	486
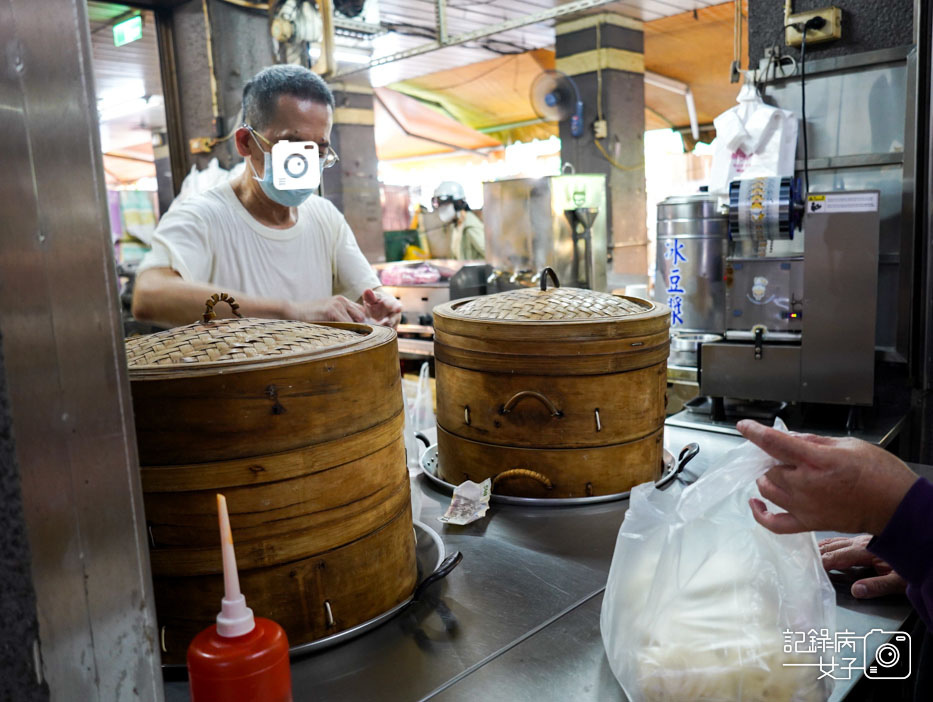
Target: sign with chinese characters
674	252
847	651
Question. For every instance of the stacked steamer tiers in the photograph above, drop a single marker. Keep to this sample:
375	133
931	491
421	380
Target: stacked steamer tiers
551	392
300	426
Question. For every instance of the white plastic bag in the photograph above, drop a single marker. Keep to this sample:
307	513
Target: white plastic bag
197	182
699	595
419	416
753	140
422	412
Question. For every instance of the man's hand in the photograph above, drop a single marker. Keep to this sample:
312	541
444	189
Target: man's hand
833	484
382	307
844	553
331	309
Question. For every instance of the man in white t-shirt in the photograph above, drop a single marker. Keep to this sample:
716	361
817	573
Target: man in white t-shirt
283	254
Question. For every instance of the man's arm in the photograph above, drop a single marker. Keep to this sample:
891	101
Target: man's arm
161	296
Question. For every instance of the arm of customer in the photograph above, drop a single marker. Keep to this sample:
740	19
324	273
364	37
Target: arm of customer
161	296
851	486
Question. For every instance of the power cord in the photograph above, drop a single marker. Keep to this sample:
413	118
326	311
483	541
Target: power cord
812	23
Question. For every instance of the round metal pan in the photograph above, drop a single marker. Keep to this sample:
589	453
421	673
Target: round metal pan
432	560
672	470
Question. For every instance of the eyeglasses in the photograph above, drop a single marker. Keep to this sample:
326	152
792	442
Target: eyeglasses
327	154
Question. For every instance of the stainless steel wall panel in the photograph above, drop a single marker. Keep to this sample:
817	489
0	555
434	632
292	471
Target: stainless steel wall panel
855	111
64	357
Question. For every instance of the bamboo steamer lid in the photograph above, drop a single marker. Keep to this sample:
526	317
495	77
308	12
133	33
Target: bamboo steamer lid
233	388
552	313
241	344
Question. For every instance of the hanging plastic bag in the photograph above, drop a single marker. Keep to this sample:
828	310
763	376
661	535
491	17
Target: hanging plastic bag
422	411
700	596
753	140
197	182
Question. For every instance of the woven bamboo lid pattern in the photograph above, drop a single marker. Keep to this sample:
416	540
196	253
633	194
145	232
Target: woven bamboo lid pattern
553	305
231	341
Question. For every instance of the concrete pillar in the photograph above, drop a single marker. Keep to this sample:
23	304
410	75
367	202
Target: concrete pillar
352	184
609	49
241	47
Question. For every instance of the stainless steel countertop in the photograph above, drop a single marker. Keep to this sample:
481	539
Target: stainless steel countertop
518	619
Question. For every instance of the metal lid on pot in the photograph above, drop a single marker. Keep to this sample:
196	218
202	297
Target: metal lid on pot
240	343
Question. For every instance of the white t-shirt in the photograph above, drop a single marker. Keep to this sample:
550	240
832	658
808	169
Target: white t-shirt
212	238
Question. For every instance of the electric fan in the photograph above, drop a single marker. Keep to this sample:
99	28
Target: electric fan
555	97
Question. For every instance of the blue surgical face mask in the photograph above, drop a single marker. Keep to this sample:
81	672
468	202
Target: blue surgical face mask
286	198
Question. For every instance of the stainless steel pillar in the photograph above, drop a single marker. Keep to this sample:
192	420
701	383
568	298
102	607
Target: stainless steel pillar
63	347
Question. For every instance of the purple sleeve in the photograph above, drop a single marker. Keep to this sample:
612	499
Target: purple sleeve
906	544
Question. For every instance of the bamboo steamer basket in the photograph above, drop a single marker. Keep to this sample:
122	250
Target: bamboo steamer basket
300	427
550	391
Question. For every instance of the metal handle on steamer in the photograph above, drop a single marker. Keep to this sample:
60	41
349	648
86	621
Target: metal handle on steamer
209	313
545	272
687	454
522	394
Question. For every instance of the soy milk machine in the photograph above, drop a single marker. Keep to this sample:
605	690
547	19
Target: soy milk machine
797	293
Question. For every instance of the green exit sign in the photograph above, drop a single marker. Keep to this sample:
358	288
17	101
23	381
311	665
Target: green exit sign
128	30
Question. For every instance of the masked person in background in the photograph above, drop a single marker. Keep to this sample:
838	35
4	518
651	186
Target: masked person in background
466	231
283	254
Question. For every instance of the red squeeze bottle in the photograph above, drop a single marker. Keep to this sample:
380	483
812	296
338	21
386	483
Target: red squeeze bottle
241	658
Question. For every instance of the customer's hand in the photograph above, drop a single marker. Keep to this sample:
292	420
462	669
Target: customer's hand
845	553
833	484
382	308
330	309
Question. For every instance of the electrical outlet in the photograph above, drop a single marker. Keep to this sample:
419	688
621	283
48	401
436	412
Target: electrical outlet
200	145
828	32
600	129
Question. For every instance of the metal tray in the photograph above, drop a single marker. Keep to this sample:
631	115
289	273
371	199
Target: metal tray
672	470
433	564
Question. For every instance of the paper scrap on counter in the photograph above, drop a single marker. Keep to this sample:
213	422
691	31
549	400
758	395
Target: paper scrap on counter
469	503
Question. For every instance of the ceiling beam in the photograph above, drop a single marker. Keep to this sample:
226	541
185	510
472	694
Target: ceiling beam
523	21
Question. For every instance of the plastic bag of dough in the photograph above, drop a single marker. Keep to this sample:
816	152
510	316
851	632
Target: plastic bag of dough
699	594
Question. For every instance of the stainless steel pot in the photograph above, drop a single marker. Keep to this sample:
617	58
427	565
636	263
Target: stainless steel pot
685	348
692	239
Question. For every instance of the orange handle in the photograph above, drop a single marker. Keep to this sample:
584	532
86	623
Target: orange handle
523	473
213	300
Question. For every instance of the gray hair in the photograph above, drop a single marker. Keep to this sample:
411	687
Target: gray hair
261	94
